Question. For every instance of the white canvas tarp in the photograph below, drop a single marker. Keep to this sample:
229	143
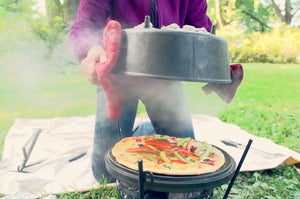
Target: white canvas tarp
62	139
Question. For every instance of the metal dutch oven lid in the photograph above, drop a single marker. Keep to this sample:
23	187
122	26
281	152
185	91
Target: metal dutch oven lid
173	55
172	183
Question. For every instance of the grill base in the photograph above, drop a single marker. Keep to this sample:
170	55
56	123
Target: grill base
126	191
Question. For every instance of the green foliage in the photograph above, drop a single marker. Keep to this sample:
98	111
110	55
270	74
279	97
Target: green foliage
281	127
104	192
14	37
52	35
278	183
228	9
280	45
253	15
267	103
17	18
20	7
12	14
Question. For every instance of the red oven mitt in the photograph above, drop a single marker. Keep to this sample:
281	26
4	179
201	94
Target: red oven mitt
227	91
114	98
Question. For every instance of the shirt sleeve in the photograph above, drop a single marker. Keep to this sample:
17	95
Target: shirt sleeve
197	15
86	31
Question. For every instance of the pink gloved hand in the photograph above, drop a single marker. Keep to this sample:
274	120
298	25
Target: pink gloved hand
114	98
227	91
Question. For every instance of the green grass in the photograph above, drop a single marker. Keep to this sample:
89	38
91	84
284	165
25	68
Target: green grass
53	94
104	192
266	104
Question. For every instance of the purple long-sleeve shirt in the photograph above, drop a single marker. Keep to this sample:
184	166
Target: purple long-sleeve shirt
93	15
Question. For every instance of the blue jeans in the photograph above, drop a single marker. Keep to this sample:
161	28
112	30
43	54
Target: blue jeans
166	107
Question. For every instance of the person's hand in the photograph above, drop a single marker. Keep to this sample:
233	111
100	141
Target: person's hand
95	55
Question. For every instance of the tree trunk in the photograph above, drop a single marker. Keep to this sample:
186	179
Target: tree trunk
67	11
288	10
53	9
287	17
70	11
220	19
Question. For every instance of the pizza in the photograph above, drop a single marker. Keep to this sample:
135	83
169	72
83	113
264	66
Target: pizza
168	155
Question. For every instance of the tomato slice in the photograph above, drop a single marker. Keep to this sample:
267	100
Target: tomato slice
190	144
209	163
169	153
187	153
160	160
213	156
141	150
178	161
160	144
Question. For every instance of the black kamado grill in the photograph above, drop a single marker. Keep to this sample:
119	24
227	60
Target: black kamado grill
130	182
142	184
173	55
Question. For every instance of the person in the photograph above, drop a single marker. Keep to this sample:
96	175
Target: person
164	100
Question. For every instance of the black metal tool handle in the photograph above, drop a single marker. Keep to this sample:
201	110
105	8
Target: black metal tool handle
141	179
26	153
230	143
238	169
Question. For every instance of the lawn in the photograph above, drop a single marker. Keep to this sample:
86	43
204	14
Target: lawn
266	104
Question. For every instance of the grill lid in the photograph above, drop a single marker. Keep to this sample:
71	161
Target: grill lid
173	55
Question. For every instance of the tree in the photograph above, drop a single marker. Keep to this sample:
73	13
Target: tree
221	22
70	10
254	15
224	11
66	9
286	10
249	13
54	9
13	6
